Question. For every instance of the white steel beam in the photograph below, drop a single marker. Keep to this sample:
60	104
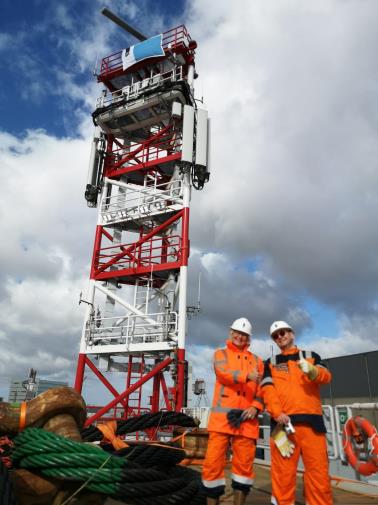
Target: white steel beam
125	304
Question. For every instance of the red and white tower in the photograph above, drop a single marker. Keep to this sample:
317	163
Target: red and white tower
150	146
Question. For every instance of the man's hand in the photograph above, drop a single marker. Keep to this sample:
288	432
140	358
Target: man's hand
308	368
283	443
282	418
254	376
249	413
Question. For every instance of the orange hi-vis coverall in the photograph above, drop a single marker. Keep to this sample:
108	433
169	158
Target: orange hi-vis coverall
286	389
232	390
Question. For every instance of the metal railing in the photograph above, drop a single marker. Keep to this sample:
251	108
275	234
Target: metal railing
137	202
332	440
332	421
116	413
175	40
135	89
152	252
159	146
132	329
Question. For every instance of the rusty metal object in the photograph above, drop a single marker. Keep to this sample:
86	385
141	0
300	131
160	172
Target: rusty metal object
83	498
64	425
59	410
32	489
194	442
51	403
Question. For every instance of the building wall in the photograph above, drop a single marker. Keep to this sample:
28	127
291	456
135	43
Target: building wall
354	379
17	392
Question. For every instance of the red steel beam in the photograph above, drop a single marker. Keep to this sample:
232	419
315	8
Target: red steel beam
165	392
181	363
128	391
103	379
146	237
130	155
137	271
80	373
144	165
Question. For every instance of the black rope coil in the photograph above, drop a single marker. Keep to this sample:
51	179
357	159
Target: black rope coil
140	423
6	489
154	455
140	474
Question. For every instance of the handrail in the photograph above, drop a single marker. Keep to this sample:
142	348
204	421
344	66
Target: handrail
332	432
139	87
173	40
132	328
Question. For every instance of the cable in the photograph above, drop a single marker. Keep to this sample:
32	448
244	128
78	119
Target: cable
139	423
122	475
6	489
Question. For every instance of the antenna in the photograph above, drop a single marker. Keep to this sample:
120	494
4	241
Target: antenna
29	384
199	292
95	65
193	310
122	24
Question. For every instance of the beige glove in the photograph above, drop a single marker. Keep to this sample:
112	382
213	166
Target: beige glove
284	445
310	370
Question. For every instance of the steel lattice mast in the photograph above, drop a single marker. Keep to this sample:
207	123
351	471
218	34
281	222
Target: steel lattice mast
150	146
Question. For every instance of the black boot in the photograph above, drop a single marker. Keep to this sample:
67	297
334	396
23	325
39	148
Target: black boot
212	501
239	497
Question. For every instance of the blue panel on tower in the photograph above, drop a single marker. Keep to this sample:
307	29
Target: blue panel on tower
150	48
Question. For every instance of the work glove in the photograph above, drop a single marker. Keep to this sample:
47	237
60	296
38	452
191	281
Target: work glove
310	370
234	418
284	445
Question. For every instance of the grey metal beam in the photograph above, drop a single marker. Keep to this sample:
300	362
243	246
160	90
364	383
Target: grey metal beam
121	23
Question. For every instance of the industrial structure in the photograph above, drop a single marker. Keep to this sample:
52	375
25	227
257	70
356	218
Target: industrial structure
24	389
150	146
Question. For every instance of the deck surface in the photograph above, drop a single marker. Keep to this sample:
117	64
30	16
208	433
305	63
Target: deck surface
261	492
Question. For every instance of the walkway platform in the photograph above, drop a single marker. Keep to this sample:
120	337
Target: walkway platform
261	492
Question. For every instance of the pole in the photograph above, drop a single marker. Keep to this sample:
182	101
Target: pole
122	24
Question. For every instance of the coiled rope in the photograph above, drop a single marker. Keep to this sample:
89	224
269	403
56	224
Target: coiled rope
140	423
6	490
120	476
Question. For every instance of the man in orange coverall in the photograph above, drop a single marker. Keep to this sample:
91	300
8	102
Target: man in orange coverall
238	373
290	389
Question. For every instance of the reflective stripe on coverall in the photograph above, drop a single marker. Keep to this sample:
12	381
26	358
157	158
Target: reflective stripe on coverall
232	391
286	389
312	447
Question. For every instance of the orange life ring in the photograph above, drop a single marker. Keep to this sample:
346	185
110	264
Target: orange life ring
357	428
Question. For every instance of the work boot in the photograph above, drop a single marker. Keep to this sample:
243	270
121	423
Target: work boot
212	501
239	497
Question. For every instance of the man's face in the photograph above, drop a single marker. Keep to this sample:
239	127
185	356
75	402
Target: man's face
239	338
284	338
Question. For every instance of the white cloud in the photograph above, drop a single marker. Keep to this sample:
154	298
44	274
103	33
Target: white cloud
45	253
294	158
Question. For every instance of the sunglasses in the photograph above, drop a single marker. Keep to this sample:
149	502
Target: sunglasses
280	333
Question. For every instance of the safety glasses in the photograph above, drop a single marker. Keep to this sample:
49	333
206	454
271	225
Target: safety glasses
280	333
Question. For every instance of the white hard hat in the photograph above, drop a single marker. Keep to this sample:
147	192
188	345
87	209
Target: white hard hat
242	324
279	325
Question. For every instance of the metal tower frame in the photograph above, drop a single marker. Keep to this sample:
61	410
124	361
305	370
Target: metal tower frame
150	146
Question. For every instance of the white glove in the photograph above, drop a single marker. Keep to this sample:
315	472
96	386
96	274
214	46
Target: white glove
309	369
284	445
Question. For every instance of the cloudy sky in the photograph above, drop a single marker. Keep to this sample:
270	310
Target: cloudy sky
287	226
